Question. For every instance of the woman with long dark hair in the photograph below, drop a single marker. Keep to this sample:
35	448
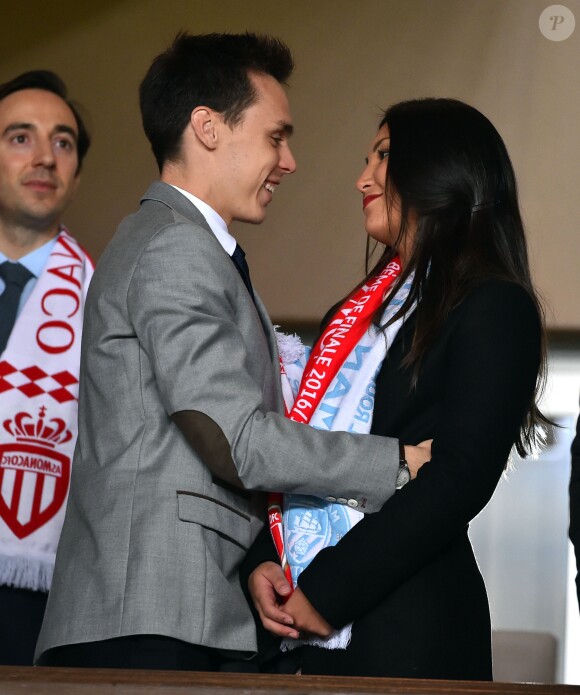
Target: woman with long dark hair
463	366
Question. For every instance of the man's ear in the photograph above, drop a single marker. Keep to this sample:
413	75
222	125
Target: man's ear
204	122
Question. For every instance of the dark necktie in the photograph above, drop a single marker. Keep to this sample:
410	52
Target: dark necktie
239	259
15	276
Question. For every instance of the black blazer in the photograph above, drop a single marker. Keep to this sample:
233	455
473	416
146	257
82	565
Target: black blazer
407	575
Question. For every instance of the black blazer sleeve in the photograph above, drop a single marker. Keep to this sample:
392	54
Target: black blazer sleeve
474	388
575	503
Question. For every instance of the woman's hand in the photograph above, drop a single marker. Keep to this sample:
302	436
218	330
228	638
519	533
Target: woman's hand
269	589
418	455
307	620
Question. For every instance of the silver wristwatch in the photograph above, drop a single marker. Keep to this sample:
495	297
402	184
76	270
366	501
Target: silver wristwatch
404	474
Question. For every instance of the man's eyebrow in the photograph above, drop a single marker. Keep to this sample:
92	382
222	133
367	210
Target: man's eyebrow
17	126
66	129
379	143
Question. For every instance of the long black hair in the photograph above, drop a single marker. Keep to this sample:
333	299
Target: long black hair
450	173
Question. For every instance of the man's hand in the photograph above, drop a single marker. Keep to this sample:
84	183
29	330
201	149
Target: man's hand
416	456
269	589
307	620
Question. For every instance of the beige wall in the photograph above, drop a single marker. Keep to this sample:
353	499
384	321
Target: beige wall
353	57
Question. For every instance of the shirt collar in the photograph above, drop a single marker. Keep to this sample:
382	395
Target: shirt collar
35	260
216	223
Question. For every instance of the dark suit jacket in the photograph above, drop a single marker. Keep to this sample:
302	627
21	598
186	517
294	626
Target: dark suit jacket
575	503
406	575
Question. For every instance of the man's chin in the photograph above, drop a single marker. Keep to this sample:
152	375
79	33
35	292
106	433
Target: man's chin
256	218
40	219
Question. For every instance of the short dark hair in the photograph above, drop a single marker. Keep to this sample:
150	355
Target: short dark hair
210	70
50	82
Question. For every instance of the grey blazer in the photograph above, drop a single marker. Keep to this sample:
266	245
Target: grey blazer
180	415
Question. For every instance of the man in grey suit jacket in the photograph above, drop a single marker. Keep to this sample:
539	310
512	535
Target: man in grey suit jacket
180	411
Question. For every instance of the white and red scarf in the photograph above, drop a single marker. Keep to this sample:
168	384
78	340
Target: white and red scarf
332	389
39	377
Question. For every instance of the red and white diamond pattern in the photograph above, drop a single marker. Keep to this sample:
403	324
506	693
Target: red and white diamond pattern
33	381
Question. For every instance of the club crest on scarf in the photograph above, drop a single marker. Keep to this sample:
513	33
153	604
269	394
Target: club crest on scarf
308	532
34	476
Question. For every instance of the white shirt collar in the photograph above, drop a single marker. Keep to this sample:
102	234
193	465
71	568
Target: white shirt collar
216	223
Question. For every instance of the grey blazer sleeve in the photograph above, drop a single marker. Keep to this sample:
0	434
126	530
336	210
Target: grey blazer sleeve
197	325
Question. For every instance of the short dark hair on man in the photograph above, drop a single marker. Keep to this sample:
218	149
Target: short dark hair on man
210	70
50	82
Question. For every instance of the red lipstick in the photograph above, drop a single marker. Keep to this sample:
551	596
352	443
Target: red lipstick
369	199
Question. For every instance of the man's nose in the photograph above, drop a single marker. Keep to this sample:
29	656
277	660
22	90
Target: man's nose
44	154
287	161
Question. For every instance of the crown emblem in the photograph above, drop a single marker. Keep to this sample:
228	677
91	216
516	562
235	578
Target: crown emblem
26	428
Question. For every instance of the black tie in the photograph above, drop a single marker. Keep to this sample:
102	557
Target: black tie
15	276
239	259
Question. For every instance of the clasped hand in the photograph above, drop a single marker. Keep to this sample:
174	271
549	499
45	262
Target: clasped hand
295	618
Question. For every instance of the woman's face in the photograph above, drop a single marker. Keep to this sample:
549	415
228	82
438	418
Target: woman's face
381	223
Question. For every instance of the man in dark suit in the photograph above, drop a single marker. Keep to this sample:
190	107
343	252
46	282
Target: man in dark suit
43	280
181	408
575	503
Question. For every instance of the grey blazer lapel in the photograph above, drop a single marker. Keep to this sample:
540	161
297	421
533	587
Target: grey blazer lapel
268	332
167	195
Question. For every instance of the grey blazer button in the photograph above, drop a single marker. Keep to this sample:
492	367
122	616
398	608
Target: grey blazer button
341	500
352	503
330	499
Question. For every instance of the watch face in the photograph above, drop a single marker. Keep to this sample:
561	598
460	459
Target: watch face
403	476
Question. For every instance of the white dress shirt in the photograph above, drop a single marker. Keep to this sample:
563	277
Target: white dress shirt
216	223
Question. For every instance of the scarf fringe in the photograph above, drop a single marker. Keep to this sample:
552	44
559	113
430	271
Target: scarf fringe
290	347
25	573
338	640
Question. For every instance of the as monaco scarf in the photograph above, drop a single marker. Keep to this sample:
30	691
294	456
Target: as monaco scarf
334	390
39	376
